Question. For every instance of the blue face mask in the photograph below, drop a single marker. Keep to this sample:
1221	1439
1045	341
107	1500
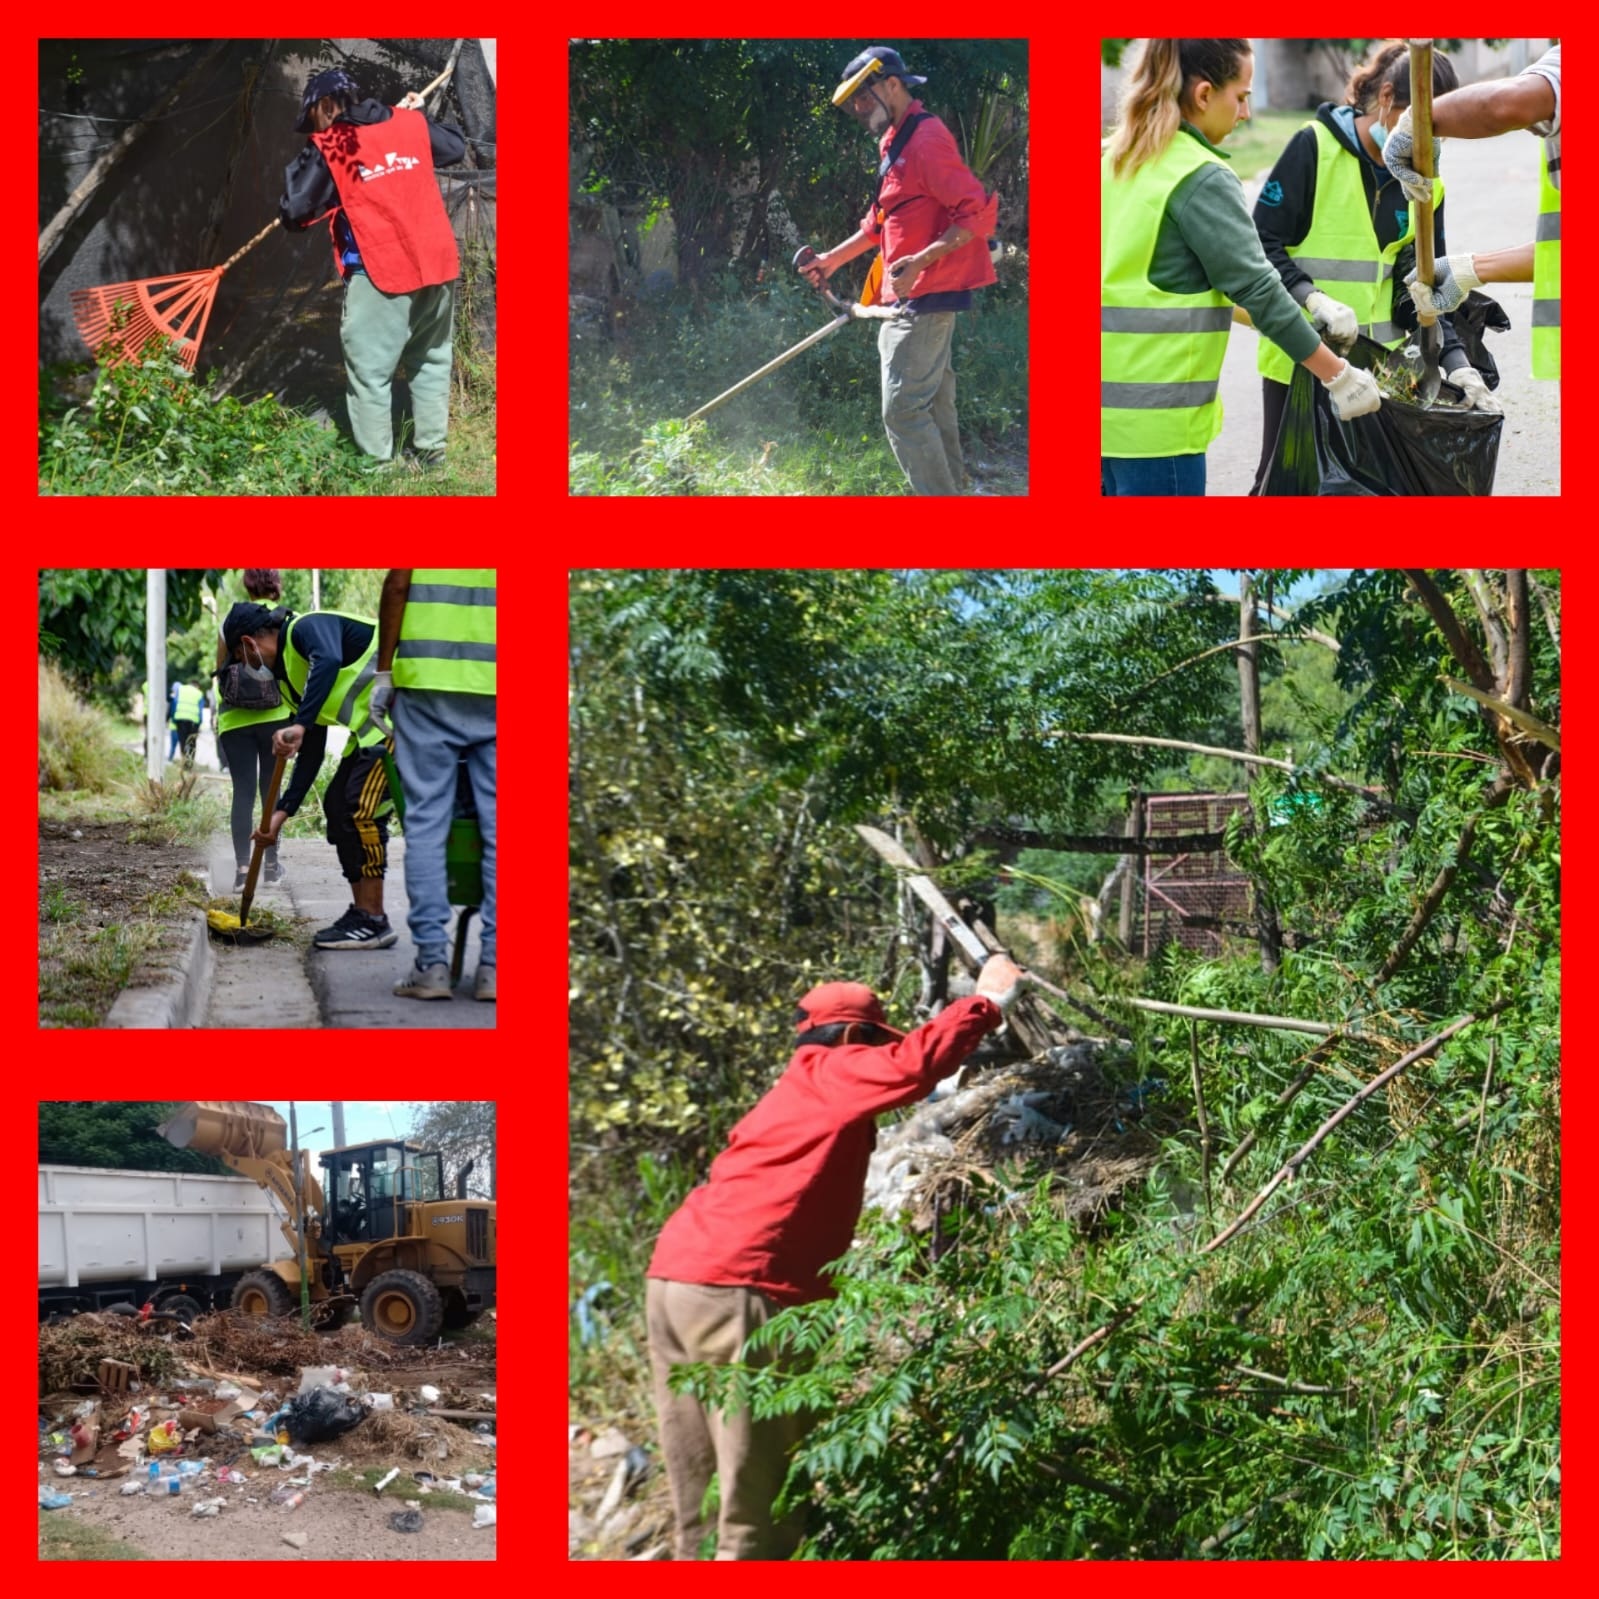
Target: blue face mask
1379	134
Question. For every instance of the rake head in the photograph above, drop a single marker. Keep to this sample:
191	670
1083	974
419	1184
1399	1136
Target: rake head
131	314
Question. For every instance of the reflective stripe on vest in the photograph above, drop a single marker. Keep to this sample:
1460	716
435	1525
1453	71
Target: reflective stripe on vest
1160	354
348	703
447	635
1546	276
1340	250
188	708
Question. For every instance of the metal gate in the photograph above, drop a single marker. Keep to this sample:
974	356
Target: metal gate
1180	887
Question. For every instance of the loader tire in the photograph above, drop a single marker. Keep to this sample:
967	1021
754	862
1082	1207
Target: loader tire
404	1307
262	1293
184	1305
457	1316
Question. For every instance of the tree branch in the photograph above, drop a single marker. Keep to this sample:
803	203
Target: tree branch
1455	636
1520	648
1493	628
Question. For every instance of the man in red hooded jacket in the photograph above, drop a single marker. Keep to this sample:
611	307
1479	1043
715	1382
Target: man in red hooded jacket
781	1202
931	220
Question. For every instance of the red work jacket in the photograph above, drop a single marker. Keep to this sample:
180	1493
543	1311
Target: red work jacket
384	174
924	194
784	1196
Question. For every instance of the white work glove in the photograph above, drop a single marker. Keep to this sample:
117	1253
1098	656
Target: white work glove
412	102
1453	278
1000	980
382	699
1478	396
1337	322
1399	155
1353	393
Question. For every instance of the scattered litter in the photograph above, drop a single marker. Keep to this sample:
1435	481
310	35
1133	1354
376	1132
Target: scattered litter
136	1486
430	1394
380	1401
406	1521
50	1501
295	1500
164	1437
65	1468
393	1473
267	1455
296	1540
208	1507
320	1377
228	1390
228	1474
483	1516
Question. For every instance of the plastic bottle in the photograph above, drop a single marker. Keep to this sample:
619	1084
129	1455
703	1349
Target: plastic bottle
295	1500
174	1485
155	1470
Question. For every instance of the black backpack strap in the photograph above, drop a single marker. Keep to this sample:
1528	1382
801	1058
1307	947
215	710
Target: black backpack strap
896	149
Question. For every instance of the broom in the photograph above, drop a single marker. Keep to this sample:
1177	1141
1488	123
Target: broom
131	314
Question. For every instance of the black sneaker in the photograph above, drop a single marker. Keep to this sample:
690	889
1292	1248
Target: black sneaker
357	930
241	875
274	873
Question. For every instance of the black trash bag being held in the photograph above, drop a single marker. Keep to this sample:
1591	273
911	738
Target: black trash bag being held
1401	448
315	1417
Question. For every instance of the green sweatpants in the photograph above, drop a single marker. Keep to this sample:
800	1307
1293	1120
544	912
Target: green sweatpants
381	332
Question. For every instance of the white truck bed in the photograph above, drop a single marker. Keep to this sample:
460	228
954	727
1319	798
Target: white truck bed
98	1225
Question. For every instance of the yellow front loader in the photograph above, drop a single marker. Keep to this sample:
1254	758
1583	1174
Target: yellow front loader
383	1233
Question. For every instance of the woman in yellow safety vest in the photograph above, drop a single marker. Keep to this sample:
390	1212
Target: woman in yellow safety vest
1339	230
1177	250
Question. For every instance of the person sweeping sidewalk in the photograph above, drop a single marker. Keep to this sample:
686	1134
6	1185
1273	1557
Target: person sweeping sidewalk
324	662
369	168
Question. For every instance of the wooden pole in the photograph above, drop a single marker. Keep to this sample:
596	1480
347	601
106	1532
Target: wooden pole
1269	934
1134	830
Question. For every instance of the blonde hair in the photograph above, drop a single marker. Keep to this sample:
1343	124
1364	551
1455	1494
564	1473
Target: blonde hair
1149	107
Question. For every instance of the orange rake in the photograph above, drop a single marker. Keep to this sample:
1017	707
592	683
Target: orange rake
131	314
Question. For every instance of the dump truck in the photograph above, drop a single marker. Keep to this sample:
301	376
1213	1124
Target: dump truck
181	1241
379	1231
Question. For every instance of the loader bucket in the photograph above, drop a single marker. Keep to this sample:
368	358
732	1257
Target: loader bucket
226	1127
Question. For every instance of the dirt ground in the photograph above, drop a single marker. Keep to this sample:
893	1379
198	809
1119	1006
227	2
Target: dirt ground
340	1525
91	878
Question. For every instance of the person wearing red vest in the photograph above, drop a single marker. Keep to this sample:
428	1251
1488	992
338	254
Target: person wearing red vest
931	220
369	170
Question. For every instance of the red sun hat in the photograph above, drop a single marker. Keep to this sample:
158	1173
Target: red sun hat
843	1002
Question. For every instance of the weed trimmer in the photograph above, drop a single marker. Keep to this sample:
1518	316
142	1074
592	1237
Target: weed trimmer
846	313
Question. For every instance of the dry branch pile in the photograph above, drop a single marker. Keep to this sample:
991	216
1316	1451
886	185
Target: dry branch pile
71	1351
1056	1112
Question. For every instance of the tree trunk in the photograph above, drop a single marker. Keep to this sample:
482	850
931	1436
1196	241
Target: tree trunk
1271	940
1124	915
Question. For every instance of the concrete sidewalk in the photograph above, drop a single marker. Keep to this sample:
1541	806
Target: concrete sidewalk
353	987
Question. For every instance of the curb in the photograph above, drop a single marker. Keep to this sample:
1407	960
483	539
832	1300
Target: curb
178	1000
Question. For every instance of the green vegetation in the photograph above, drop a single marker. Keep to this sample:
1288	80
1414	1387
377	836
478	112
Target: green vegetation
76	748
62	1538
1360	1363
114	1132
149	427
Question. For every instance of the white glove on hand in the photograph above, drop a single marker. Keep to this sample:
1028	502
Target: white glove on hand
1353	393
1398	155
382	699
1337	321
1453	278
1478	396
1000	980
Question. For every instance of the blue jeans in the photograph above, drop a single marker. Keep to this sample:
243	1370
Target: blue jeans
1156	474
432	730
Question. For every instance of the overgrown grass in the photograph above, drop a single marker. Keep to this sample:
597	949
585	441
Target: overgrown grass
173	812
77	748
63	1538
812	427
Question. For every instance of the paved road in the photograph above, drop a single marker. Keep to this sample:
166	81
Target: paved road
1492	203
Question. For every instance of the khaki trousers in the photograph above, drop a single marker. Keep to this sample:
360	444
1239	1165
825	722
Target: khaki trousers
696	1322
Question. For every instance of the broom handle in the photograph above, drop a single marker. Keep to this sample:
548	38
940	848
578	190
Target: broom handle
244	249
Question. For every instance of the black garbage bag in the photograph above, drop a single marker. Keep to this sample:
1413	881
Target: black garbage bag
315	1417
1401	448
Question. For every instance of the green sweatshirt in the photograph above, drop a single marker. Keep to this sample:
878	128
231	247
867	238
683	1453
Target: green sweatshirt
1207	239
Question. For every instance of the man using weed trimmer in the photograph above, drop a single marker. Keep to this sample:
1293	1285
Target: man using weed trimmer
930	221
782	1200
